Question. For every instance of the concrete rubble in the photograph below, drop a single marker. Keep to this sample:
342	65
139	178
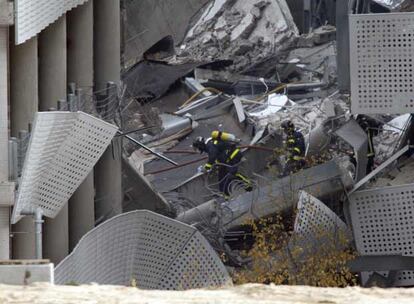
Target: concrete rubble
242	31
243	67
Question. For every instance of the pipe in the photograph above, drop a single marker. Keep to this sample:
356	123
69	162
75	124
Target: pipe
38	232
177	166
73	107
38	221
149	149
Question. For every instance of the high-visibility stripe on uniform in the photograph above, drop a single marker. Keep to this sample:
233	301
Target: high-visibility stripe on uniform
291	141
234	154
297	158
215	142
243	178
297	149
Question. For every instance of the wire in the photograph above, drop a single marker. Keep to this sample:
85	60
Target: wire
281	87
192	98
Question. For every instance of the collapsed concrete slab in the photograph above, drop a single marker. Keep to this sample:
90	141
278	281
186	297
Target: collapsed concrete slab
242	31
278	197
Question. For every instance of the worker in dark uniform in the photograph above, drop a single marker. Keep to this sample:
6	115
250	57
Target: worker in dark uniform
295	149
227	157
371	128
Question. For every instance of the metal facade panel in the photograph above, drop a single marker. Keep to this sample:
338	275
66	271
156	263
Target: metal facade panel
156	251
382	59
314	216
33	16
383	223
354	135
63	149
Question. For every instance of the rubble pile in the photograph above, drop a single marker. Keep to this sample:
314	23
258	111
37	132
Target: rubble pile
244	32
250	72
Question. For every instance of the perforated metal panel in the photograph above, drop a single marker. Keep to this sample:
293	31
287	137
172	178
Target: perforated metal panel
33	16
314	216
157	252
383	223
63	149
382	59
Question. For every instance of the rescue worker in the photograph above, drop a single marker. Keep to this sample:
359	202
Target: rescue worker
295	148
226	156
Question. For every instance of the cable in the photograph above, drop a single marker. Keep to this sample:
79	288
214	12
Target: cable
188	101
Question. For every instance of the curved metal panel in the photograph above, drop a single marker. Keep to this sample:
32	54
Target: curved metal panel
155	251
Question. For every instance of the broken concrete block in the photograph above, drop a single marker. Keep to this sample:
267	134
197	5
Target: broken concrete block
243	48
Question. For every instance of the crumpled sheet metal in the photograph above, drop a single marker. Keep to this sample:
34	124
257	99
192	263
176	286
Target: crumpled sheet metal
354	135
382	222
392	4
155	251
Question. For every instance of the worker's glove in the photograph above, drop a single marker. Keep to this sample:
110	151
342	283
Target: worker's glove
207	168
201	169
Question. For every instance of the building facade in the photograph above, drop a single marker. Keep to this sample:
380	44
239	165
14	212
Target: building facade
44	45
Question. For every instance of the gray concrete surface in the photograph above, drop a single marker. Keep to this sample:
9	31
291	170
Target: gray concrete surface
52	64
81	211
107	66
141	32
26	274
23	106
80	71
23	74
80	46
52	87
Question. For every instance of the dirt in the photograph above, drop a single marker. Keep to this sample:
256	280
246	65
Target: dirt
255	294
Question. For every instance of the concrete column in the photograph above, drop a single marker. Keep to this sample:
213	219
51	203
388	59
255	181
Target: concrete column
52	86
52	64
342	41
4	134
23	106
80	46
23	74
81	211
107	65
80	71
107	42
